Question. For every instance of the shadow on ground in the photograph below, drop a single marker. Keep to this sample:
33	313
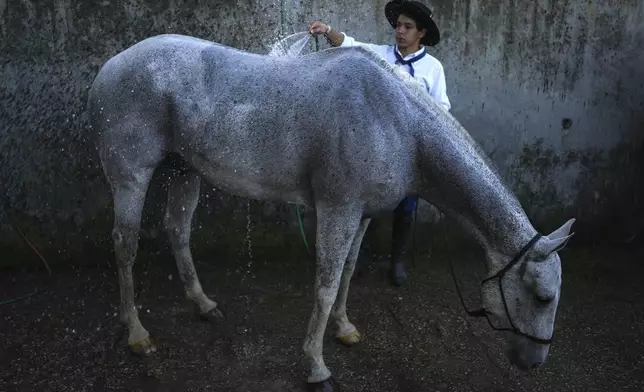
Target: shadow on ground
417	338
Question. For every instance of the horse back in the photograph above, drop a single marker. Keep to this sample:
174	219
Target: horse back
291	130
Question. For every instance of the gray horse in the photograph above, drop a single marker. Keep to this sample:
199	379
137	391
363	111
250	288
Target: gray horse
340	131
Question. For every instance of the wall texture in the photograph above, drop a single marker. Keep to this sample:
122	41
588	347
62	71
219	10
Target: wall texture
517	71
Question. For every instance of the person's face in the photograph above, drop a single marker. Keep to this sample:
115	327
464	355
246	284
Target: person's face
407	33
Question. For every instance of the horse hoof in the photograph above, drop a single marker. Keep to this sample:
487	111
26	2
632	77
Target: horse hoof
351	339
328	385
214	316
143	347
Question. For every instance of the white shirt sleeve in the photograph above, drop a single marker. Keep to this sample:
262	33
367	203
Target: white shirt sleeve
439	88
350	41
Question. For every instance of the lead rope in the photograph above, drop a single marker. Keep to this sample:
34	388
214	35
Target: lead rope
473	313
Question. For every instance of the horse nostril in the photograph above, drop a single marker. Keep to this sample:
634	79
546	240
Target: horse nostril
536	365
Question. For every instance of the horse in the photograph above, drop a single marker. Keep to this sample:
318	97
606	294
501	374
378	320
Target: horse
340	131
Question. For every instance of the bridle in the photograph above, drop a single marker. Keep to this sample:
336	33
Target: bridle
482	312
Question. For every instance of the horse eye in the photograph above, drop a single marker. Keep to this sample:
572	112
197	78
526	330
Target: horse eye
543	300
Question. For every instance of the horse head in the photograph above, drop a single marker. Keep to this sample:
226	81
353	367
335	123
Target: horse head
522	297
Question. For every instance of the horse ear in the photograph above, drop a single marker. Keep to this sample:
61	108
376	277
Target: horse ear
555	245
563	231
558	239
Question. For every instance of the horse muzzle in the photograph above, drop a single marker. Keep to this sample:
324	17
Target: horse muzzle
525	354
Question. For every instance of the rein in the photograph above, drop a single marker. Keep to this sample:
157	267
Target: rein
482	312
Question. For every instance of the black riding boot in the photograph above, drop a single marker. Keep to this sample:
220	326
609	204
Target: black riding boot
399	247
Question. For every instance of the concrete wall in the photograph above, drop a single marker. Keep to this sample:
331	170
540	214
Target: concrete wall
515	70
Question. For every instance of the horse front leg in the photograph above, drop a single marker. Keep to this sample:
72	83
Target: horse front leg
347	333
336	230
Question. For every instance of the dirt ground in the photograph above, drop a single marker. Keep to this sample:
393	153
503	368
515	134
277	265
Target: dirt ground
417	337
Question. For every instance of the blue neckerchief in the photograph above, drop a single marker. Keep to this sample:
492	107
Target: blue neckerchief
399	60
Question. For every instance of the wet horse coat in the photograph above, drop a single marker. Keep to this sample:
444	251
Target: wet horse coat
339	130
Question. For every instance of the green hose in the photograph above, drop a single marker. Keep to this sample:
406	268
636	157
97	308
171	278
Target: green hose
12	300
297	208
299	219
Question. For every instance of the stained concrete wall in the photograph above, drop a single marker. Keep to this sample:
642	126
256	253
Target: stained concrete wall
515	70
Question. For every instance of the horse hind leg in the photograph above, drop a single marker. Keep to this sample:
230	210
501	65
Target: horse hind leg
130	151
129	196
183	195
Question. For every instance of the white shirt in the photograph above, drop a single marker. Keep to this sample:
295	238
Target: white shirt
427	70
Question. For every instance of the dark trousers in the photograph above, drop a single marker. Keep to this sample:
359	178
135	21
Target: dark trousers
407	206
402	224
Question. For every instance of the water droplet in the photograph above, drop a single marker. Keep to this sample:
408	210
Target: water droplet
248	241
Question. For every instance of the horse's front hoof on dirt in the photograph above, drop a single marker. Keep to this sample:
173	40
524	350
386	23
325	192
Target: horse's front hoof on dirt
351	339
328	385
143	347
214	316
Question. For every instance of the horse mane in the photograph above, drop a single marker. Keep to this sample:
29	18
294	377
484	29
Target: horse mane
418	91
414	85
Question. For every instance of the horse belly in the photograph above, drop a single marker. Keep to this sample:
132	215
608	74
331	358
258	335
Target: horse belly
243	171
242	148
250	184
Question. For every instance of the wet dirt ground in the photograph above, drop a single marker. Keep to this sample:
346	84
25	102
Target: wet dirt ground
417	337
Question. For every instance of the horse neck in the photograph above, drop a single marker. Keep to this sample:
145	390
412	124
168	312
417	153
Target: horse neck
462	183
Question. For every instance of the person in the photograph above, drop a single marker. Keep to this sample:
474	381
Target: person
415	30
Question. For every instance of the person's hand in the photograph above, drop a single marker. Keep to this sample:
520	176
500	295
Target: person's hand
317	28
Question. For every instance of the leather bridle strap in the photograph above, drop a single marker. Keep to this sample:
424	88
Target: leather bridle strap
482	312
